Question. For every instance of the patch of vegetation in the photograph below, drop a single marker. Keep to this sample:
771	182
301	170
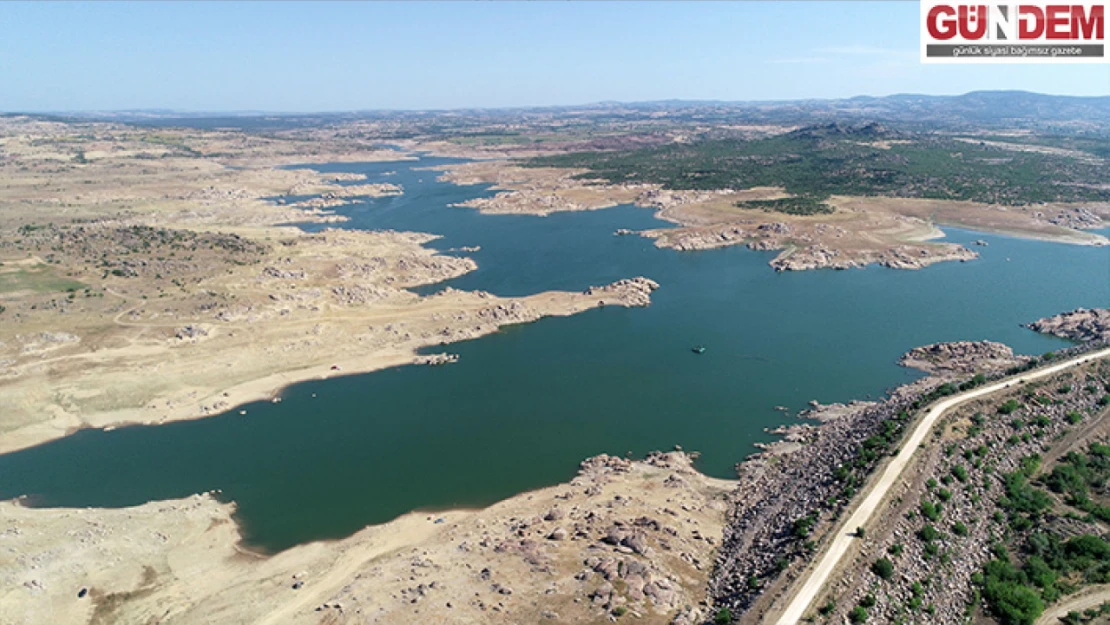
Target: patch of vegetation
38	279
1018	595
820	161
798	205
1078	474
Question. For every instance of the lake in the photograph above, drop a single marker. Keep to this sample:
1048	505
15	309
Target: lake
522	407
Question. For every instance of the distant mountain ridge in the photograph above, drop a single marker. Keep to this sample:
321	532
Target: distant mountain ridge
969	111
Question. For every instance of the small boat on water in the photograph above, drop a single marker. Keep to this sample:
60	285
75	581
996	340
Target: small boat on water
698	349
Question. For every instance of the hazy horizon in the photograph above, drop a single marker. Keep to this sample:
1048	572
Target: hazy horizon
677	101
294	57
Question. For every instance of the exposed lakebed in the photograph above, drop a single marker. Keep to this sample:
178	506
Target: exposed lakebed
522	407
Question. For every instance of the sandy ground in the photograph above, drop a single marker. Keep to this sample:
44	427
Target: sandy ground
620	538
844	535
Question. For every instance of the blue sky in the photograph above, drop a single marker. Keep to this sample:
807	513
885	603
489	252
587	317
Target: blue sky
291	56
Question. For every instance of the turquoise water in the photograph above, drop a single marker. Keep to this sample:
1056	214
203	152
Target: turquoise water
522	407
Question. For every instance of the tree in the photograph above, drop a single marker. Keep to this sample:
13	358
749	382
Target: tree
883	567
858	615
723	616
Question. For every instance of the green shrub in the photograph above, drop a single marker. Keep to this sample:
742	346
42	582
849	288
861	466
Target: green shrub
928	533
858	614
884	568
1009	406
960	473
1013	603
803	525
929	510
959	529
723	616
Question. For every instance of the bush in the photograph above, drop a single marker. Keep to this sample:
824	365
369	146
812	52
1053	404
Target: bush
960	473
723	616
928	533
858	615
959	529
883	567
930	510
1008	407
803	525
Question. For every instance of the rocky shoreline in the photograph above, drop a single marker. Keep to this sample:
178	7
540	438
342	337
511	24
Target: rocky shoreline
1081	325
795	478
794	489
804	251
962	358
889	232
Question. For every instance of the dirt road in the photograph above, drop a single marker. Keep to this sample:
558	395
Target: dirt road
845	532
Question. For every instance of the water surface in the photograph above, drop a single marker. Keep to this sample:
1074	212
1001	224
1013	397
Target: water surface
522	407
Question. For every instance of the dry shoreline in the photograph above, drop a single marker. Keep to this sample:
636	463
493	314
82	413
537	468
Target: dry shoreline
162	285
634	292
620	537
892	232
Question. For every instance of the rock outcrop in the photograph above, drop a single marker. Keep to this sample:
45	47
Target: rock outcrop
962	357
1081	324
628	292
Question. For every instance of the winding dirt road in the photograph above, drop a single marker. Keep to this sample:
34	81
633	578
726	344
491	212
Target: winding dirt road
845	532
